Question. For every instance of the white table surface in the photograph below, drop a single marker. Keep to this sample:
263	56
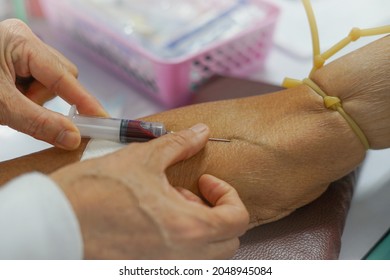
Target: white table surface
368	217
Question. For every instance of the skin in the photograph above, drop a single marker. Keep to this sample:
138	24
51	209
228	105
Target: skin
287	161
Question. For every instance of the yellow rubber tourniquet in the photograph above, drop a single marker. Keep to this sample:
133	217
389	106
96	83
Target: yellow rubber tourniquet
334	103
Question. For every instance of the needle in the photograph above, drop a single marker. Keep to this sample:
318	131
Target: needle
219	140
212	139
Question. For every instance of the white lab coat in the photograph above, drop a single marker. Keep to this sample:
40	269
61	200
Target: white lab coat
37	221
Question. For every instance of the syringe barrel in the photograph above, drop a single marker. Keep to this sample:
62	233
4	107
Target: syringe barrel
99	128
140	131
119	130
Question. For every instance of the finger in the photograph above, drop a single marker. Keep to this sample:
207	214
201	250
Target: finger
38	93
231	219
23	115
70	66
174	147
190	196
62	83
33	57
23	83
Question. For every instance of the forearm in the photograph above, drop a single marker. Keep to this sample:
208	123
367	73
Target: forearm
286	148
281	157
46	161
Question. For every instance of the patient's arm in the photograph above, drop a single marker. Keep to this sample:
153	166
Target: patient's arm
286	146
46	161
286	149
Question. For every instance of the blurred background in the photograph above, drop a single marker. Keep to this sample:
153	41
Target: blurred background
283	48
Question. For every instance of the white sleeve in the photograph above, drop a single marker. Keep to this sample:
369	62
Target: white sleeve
37	221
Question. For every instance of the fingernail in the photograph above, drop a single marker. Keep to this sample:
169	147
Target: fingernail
68	139
199	128
104	114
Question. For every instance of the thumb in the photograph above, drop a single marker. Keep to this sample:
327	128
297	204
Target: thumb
174	147
229	212
25	116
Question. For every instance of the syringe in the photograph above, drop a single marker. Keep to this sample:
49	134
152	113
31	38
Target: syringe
119	130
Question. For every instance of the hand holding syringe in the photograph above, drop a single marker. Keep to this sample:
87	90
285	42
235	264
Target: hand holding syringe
119	130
